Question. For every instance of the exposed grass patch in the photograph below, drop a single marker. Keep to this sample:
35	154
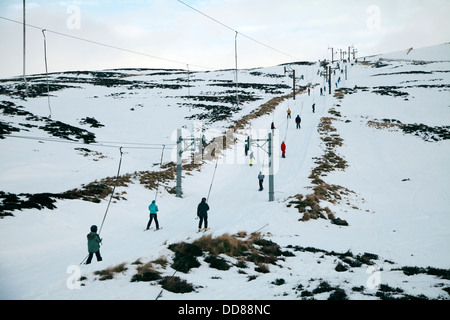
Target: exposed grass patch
427	133
264	109
254	249
146	273
176	285
309	205
217	263
109	273
185	256
442	273
224	244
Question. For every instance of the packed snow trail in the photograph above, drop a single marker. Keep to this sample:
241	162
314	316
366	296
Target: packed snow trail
235	202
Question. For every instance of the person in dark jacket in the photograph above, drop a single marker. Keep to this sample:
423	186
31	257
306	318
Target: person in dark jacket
298	120
202	213
261	180
93	244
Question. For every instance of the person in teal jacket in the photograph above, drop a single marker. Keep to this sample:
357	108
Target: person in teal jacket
153	210
93	244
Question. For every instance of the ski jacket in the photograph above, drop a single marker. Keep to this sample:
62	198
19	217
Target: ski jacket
202	209
298	119
260	176
93	242
153	208
283	147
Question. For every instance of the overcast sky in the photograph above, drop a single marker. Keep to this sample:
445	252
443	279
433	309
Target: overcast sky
172	35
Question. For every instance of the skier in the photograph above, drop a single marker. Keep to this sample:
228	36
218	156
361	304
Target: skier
289	113
202	213
261	180
252	156
314	107
153	211
298	120
272	126
93	244
283	150
309	91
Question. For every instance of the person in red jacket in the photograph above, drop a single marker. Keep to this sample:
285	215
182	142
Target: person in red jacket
283	150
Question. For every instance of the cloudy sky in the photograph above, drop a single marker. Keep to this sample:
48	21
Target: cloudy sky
87	35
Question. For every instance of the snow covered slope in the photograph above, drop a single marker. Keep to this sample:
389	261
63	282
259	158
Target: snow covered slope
372	161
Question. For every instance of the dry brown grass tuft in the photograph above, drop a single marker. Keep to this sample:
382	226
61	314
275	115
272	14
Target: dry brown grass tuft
146	272
224	244
264	109
384	125
109	273
309	205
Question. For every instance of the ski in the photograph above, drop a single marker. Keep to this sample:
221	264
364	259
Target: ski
148	229
158	229
203	230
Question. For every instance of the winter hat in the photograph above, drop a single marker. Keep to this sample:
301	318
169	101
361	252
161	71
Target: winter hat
153	201
203	199
94	228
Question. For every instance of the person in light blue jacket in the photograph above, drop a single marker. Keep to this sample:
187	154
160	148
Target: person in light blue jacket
153	210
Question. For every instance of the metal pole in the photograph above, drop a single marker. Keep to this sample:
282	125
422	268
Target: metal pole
24	46
236	71
329	79
46	73
179	162
293	84
189	90
271	184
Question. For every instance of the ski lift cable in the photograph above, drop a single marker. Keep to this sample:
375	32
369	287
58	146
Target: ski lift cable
212	181
104	44
160	165
112	194
146	146
285	133
248	37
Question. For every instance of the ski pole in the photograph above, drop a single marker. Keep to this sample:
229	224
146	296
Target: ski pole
84	259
